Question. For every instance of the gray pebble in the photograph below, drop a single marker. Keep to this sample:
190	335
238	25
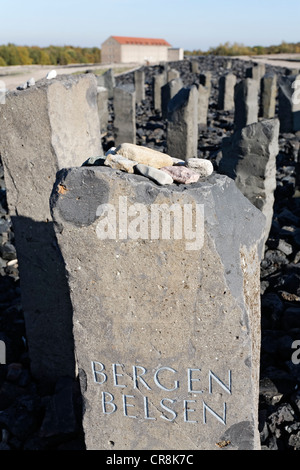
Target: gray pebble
154	174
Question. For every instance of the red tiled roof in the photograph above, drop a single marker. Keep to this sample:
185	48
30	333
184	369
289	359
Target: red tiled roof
141	41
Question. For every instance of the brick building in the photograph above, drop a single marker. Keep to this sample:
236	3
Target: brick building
120	49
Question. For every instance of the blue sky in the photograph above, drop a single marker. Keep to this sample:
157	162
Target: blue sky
191	24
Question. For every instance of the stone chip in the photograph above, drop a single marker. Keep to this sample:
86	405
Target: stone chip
200	165
166	316
144	155
118	162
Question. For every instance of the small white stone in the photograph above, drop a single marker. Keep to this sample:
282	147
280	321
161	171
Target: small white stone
12	262
22	87
182	174
51	74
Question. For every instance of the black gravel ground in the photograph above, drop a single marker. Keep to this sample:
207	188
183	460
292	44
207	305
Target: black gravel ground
35	417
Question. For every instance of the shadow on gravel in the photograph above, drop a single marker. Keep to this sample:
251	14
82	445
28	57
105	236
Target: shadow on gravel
45	300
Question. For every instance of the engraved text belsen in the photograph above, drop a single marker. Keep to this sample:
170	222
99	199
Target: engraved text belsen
136	378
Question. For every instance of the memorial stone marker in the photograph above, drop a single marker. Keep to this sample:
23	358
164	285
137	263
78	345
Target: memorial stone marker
194	66
124	111
289	103
102	100
172	74
182	124
158	82
139	82
249	157
226	92
291	71
257	71
297	189
205	79
49	126
228	64
166	314
268	96
203	102
245	103
2	352
168	91
107	80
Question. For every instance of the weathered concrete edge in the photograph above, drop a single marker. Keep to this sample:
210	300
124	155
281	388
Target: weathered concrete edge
147	191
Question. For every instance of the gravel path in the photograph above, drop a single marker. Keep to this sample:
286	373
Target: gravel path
14	76
290	61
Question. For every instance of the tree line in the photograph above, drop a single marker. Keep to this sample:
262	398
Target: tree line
237	49
11	54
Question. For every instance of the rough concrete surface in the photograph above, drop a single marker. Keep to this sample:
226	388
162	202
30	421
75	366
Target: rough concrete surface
167	338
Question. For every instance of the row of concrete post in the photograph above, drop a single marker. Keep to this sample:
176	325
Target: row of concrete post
251	98
186	108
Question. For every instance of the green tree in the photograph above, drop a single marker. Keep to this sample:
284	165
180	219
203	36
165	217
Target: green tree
39	56
23	55
52	55
10	54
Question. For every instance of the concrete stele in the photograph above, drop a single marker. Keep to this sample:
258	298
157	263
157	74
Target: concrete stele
137	290
158	82
205	79
257	71
49	126
102	100
203	103
107	80
172	74
195	66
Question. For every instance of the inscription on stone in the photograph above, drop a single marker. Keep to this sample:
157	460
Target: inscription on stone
166	338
